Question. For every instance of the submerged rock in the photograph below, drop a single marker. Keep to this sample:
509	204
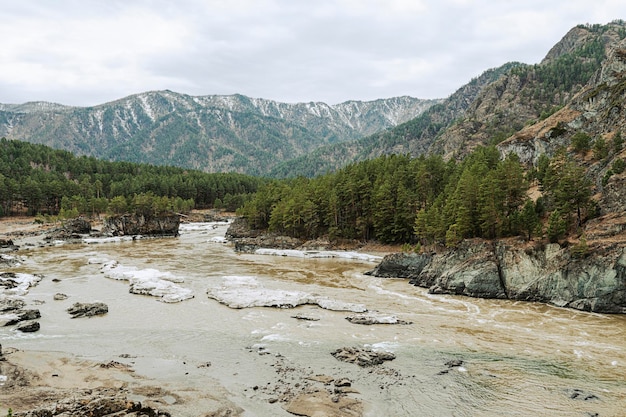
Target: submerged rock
87	309
371	318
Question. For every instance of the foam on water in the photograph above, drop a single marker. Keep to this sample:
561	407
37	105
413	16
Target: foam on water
200	227
356	256
112	239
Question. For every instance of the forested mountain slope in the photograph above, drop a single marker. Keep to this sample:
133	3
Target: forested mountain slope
412	137
209	133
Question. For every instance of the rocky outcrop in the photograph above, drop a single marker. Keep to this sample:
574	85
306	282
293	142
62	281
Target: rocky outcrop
362	357
247	240
97	403
135	224
87	309
398	265
548	273
71	229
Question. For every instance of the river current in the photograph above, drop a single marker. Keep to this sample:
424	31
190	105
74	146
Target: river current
518	358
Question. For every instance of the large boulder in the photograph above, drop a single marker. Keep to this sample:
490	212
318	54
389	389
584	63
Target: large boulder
87	309
136	224
362	357
28	326
71	229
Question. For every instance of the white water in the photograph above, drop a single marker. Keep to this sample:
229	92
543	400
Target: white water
520	359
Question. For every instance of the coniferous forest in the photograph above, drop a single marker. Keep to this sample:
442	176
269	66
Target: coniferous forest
35	179
425	200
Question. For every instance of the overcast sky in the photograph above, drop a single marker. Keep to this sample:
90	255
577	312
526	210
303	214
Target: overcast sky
88	52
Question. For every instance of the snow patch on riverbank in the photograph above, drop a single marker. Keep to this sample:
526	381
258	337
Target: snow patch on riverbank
246	292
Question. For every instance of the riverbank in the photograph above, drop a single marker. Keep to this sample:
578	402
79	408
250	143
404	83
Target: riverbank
51	383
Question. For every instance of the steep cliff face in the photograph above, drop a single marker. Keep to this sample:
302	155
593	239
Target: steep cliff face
513	270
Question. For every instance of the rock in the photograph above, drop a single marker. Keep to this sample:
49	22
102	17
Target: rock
453	363
6	245
71	229
362	357
10	304
87	309
371	318
343	382
401	265
60	296
321	403
79	225
578	394
239	228
306	317
28	326
99	403
23	315
134	224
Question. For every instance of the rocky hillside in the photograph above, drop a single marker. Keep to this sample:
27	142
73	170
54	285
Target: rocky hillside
210	133
491	108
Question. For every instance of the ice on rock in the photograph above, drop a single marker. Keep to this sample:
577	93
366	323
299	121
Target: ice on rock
246	292
17	283
149	281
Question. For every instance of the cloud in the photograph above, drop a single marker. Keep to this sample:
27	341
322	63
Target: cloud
88	52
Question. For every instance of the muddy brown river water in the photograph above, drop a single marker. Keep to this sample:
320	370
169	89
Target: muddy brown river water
516	358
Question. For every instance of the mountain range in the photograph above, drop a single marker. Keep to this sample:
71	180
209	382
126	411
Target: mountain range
209	133
506	106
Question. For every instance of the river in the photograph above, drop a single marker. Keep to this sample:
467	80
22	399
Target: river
518	358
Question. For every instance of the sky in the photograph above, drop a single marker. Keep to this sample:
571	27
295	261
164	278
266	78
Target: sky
89	52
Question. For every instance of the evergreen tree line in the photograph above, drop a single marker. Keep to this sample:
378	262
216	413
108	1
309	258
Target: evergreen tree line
37	179
426	200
